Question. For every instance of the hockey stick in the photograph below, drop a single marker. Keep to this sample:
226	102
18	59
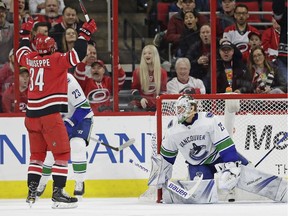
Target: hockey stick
84	10
181	191
120	148
281	140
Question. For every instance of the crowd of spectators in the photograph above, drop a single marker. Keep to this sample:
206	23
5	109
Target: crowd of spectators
247	56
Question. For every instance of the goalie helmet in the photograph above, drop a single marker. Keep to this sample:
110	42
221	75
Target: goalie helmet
184	106
45	44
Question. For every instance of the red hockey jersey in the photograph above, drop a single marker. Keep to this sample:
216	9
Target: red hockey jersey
48	80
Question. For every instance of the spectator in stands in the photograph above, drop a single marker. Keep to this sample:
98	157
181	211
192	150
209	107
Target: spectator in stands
23	13
70	19
51	15
8	99
280	15
232	73
91	57
6	34
38	6
254	40
266	78
176	24
270	40
238	32
98	88
6	75
149	80
225	17
68	39
199	56
184	83
190	33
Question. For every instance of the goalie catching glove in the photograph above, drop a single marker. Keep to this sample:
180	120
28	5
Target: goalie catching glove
88	28
229	174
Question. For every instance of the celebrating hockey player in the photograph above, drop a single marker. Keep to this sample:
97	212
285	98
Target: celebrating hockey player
208	149
78	122
47	97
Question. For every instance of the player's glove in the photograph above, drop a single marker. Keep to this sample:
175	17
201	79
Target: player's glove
26	28
229	174
69	126
88	28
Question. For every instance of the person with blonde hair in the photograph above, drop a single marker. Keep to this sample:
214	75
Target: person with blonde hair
148	80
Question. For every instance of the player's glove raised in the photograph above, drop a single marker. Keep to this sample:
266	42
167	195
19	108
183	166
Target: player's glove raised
88	28
26	28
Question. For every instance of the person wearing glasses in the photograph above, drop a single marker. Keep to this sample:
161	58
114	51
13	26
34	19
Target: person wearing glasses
239	31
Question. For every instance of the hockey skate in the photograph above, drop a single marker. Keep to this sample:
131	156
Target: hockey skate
62	200
79	189
31	198
40	190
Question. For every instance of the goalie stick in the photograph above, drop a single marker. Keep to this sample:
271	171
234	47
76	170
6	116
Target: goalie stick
84	10
120	148
181	191
281	140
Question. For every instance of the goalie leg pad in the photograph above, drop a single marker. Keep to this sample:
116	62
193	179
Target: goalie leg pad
161	171
263	184
206	192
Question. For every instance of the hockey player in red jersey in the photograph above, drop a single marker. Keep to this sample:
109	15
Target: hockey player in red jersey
47	97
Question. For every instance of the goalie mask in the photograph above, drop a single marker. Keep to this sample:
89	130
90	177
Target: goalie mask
45	44
185	105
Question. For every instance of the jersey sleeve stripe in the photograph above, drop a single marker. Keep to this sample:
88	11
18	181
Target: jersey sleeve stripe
168	153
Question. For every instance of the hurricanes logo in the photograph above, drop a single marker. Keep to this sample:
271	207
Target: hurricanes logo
98	96
198	152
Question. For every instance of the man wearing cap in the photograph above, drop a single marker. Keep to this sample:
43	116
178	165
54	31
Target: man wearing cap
8	97
6	34
232	73
98	88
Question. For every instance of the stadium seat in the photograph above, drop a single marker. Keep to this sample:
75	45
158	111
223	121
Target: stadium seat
267	6
162	15
252	6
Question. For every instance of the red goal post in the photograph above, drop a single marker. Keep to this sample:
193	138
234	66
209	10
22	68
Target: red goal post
261	120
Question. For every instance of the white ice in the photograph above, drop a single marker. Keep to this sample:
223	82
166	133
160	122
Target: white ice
135	207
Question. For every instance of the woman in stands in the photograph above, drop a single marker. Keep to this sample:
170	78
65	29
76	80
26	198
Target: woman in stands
266	78
149	80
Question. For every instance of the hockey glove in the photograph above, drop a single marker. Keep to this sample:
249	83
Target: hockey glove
26	29
88	28
229	174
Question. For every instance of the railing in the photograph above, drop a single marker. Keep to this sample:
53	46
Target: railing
134	33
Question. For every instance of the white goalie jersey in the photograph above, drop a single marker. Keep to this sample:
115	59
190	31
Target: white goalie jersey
76	97
200	142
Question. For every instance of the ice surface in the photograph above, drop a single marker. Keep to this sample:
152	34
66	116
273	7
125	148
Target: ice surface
135	207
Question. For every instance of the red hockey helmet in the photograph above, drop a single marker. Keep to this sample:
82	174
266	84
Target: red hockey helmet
45	44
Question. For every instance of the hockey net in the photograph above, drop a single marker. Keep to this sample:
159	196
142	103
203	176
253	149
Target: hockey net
256	124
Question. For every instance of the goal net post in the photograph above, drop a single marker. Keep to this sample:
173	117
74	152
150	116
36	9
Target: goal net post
256	122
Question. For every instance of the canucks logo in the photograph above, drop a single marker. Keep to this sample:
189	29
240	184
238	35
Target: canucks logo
198	152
